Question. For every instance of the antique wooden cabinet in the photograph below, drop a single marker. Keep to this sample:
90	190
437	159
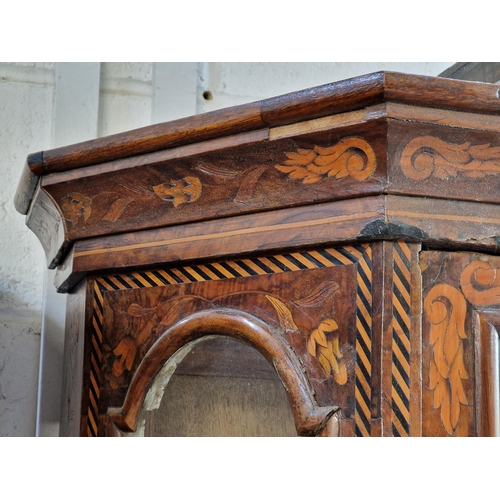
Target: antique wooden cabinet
343	238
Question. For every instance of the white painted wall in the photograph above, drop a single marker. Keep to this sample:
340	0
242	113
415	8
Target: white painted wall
131	95
126	96
25	115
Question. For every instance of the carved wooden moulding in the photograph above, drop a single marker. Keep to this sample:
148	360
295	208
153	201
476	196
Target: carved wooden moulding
321	227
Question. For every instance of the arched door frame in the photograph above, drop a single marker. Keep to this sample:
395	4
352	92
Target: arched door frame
309	417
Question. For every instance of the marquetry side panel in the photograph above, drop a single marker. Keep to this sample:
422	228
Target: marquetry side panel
460	364
330	357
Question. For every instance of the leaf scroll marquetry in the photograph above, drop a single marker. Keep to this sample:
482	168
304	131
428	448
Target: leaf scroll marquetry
284	314
323	341
323	344
172	310
248	185
445	307
76	207
428	156
352	156
125	353
137	311
318	295
480	282
250	178
116	209
186	190
211	169
325	338
126	350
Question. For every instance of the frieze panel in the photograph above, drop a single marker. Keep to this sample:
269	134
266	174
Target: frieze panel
443	162
263	175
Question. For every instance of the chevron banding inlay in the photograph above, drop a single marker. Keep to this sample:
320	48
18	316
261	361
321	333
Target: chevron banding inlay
400	396
95	363
364	344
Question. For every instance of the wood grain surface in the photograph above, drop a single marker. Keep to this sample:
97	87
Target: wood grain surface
348	233
460	344
335	98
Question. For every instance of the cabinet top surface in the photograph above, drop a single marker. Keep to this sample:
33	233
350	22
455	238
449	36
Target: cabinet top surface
325	100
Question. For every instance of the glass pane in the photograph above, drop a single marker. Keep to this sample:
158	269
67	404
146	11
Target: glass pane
222	387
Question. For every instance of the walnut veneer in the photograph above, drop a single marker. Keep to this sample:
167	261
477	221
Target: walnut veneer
347	232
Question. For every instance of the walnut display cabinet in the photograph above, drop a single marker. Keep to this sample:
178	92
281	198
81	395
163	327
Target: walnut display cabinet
322	263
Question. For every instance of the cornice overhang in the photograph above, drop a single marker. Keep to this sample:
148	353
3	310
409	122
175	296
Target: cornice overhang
432	142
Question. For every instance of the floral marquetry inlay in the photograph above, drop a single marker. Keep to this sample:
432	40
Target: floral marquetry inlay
480	282
323	344
76	207
351	156
305	314
428	156
446	308
186	190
